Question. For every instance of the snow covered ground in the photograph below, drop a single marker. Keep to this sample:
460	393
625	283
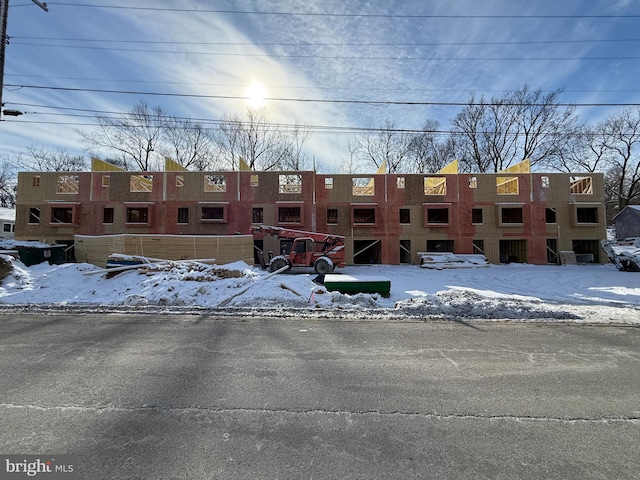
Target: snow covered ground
578	293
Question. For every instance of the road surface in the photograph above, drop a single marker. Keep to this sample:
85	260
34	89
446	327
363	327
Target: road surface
200	397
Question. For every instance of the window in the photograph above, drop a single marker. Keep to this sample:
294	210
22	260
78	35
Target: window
400	182
550	215
511	215
6	227
215	183
105	180
439	245
183	215
289	215
405	216
290	183
179	181
581	185
35	181
257	215
107	215
545	182
213	213
255	180
476	215
34	215
68	184
435	186
328	183
364	216
473	182
587	215
438	216
332	216
507	185
62	215
141	183
137	215
363	186
478	247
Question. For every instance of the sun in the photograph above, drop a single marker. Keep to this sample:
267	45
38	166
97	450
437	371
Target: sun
255	95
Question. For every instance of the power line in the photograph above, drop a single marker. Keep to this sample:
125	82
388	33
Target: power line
330	44
303	87
336	15
350	57
310	100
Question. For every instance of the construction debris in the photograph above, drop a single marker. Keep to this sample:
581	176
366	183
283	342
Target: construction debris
441	260
624	254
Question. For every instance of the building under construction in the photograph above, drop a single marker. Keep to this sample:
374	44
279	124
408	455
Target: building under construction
511	216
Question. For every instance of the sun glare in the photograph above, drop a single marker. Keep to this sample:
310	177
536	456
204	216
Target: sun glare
255	94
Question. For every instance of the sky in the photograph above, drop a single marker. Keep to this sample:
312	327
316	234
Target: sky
514	292
334	66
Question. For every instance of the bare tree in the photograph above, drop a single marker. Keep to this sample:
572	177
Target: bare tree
428	151
620	134
8	183
43	160
522	124
582	150
189	144
133	137
293	157
386	145
260	143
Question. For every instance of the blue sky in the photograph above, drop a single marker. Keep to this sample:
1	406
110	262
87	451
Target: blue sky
198	58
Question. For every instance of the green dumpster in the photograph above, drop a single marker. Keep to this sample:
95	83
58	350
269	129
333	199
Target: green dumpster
54	254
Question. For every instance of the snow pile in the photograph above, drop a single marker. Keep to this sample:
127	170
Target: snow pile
582	293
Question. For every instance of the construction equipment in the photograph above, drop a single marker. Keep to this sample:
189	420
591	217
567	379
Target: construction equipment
322	251
624	254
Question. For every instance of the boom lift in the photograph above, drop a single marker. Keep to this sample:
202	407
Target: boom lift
322	251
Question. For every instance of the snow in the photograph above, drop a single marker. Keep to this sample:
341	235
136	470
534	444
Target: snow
520	292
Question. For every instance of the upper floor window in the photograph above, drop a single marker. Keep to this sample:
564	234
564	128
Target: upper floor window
328	183
290	183
363	186
473	182
545	182
68	184
507	185
179	181
581	185
141	183
435	185
35	181
400	182
255	180
215	183
106	180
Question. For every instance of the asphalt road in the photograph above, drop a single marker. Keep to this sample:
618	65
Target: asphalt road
188	397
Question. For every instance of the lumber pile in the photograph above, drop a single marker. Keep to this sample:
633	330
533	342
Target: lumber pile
224	248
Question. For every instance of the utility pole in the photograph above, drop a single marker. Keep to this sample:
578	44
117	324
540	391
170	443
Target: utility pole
4	12
4	39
